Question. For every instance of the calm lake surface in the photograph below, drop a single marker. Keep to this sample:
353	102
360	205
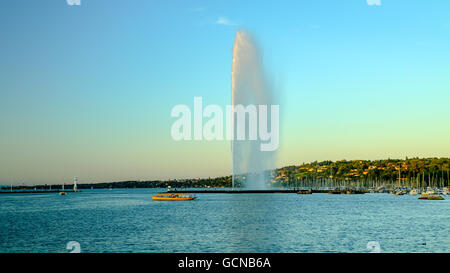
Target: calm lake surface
127	220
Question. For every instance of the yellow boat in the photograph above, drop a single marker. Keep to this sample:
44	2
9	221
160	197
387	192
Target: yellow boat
173	197
431	197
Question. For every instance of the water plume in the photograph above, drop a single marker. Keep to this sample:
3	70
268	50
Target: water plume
251	166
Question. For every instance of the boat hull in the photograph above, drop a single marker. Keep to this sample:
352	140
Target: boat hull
166	198
431	197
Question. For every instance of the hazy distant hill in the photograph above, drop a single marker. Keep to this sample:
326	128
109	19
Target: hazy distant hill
422	171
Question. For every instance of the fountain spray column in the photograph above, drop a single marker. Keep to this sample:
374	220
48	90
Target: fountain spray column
249	87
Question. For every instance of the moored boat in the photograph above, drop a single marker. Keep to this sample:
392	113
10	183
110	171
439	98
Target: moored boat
304	192
400	192
173	197
431	197
429	192
337	191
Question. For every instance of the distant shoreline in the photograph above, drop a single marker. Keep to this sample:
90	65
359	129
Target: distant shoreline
414	172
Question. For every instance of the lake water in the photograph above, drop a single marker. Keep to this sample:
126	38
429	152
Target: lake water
127	220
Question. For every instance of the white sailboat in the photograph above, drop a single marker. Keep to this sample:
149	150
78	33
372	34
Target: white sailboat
429	191
75	180
62	192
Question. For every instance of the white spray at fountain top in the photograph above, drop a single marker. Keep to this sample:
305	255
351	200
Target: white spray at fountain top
249	87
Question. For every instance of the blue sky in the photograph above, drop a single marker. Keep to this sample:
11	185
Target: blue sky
87	90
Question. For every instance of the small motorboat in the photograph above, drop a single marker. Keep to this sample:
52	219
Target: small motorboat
173	197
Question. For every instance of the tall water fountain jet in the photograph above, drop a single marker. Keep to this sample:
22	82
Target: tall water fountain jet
249	87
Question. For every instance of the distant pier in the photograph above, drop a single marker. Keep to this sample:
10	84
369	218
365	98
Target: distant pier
239	191
37	191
